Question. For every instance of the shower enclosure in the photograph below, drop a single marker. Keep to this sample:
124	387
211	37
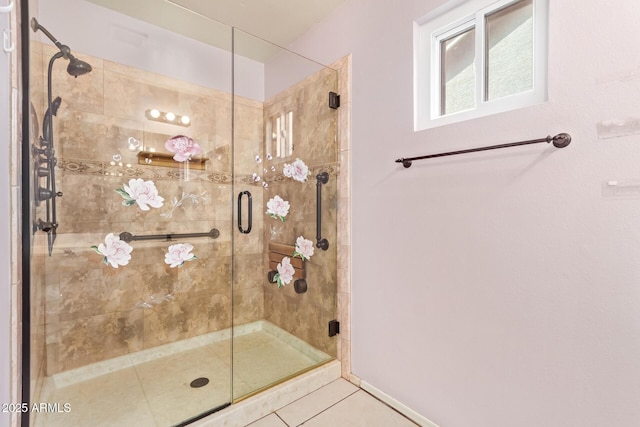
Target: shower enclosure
183	215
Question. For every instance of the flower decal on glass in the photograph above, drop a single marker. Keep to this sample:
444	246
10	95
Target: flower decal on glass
304	248
175	203
115	251
142	192
277	208
285	273
183	147
179	253
296	170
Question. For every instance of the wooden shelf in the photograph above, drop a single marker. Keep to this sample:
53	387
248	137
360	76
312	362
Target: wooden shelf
277	251
151	158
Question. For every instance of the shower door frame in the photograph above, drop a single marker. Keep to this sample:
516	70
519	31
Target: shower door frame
26	228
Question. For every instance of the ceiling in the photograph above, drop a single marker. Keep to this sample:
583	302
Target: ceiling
277	21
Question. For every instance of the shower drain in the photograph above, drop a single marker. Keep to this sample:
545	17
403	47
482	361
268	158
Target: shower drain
199	382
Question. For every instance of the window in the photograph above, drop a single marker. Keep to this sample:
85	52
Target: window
479	57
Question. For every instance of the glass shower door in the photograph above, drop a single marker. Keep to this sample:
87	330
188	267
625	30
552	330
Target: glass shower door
132	184
284	283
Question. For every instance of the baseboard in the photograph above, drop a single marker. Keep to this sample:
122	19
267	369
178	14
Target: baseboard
403	409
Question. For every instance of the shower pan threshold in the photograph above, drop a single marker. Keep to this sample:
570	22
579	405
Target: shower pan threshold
152	387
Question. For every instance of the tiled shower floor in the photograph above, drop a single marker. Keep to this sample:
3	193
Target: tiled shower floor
154	390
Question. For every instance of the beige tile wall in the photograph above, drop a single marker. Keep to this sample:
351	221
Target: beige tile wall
329	273
314	140
93	311
85	319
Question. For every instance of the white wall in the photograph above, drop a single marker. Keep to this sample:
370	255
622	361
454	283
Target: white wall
107	34
501	288
5	260
285	70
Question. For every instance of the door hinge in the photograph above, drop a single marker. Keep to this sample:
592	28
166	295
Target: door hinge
334	328
334	100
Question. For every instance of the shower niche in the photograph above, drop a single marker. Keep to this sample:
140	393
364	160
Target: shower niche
278	135
135	303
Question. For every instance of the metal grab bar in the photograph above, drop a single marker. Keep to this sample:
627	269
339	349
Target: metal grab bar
250	215
561	140
128	237
321	243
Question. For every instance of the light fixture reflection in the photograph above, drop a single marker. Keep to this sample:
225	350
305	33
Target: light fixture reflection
134	144
168	117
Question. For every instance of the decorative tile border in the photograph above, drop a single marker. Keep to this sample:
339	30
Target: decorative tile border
333	169
103	168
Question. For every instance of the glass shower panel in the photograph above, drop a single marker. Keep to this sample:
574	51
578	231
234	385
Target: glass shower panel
131	272
284	138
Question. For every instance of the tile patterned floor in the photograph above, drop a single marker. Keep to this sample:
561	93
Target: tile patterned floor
338	404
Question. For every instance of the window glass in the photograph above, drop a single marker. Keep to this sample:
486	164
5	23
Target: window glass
475	58
509	50
458	79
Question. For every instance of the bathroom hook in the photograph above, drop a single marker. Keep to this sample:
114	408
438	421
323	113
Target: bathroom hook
7	9
7	46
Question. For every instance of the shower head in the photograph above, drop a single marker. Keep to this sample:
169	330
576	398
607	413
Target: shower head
76	67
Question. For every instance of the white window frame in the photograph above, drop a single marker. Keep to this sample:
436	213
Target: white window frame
453	18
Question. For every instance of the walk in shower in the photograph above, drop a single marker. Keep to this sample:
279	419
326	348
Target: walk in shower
183	214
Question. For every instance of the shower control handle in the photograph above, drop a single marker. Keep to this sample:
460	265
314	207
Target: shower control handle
46	194
249	215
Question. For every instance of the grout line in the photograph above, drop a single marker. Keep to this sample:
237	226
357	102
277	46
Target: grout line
391	407
397	405
346	397
330	406
311	392
144	393
283	421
